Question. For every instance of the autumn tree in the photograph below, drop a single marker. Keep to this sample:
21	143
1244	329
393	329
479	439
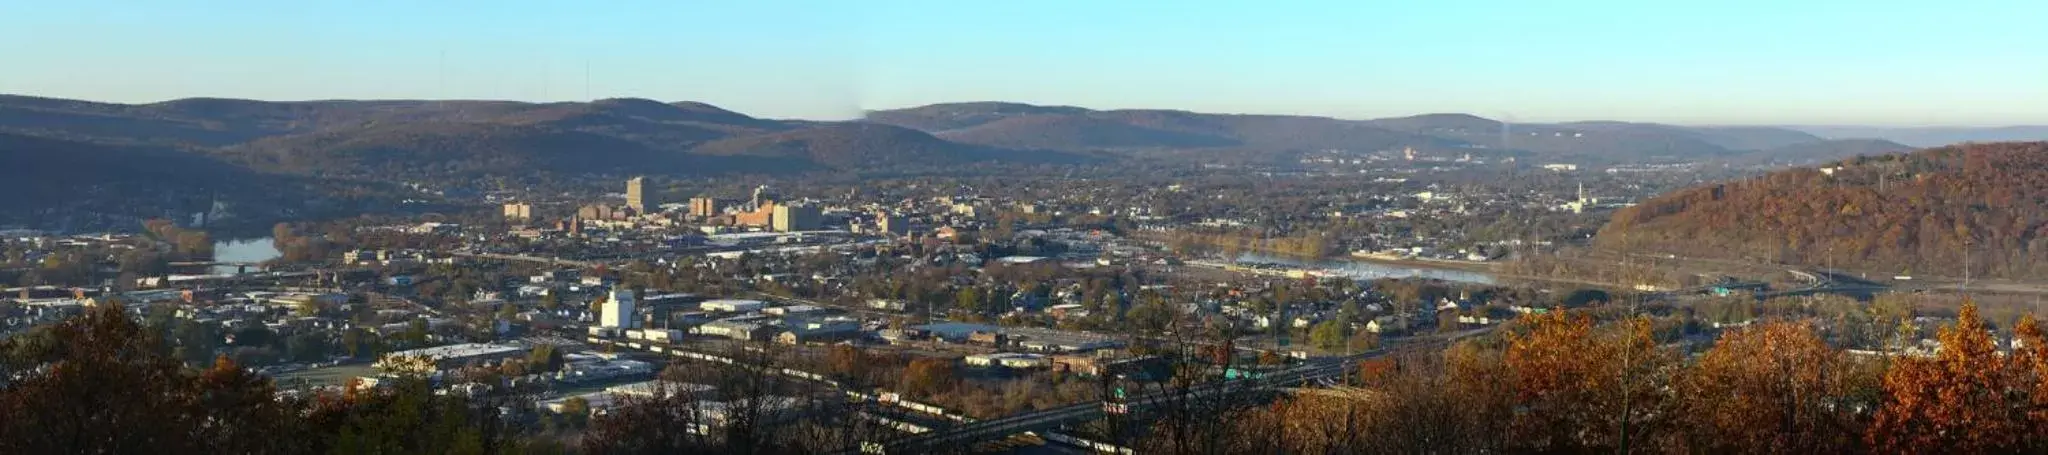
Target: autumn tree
1966	399
928	377
1771	388
103	389
1586	389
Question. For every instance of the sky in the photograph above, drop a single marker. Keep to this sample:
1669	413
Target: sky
1871	62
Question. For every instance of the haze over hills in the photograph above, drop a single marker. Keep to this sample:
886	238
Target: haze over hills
387	139
417	139
855	145
1929	212
1075	128
66	183
1932	136
1808	153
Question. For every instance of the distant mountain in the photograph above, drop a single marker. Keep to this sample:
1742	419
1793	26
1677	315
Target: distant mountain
157	124
1932	136
1079	129
858	145
1447	125
1075	129
1620	139
216	122
1579	141
54	183
937	118
385	139
1601	140
1823	151
381	139
1928	212
1751	137
1053	131
423	150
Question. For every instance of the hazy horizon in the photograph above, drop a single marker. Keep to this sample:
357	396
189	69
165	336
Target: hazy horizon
1730	63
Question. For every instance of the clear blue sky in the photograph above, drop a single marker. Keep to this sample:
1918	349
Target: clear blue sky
1720	62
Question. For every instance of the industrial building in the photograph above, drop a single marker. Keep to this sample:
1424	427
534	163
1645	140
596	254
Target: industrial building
447	357
733	305
619	312
737	329
820	332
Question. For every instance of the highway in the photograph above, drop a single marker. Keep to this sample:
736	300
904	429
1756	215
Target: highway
524	258
996	429
909	406
1001	428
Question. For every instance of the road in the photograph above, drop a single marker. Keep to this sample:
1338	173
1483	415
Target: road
994	429
905	406
524	258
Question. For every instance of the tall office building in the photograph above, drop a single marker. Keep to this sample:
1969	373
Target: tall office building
791	218
638	197
703	207
892	224
618	310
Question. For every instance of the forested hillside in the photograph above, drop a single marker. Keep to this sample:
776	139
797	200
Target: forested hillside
1929	212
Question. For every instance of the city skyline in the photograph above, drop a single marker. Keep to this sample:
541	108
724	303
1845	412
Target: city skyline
1729	63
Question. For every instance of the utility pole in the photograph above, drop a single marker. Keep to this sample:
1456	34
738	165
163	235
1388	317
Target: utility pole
1627	373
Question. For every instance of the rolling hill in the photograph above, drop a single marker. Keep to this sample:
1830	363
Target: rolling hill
863	145
1933	136
382	139
1052	131
1075	128
1930	212
1078	129
420	150
56	183
1809	153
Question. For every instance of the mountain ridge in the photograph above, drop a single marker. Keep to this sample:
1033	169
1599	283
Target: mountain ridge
1930	211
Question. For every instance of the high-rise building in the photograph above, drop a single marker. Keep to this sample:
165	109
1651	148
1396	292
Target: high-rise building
618	311
638	197
703	207
892	224
792	217
518	211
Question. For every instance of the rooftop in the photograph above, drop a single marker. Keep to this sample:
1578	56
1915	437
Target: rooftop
456	351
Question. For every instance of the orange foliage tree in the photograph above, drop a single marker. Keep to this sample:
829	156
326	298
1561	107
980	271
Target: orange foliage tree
1771	388
1967	399
1586	389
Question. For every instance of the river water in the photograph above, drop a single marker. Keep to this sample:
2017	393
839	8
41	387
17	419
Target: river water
243	250
1362	270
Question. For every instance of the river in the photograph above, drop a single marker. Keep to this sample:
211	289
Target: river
243	250
1363	271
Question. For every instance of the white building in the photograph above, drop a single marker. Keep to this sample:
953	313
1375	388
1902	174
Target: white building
733	305
1008	360
618	311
